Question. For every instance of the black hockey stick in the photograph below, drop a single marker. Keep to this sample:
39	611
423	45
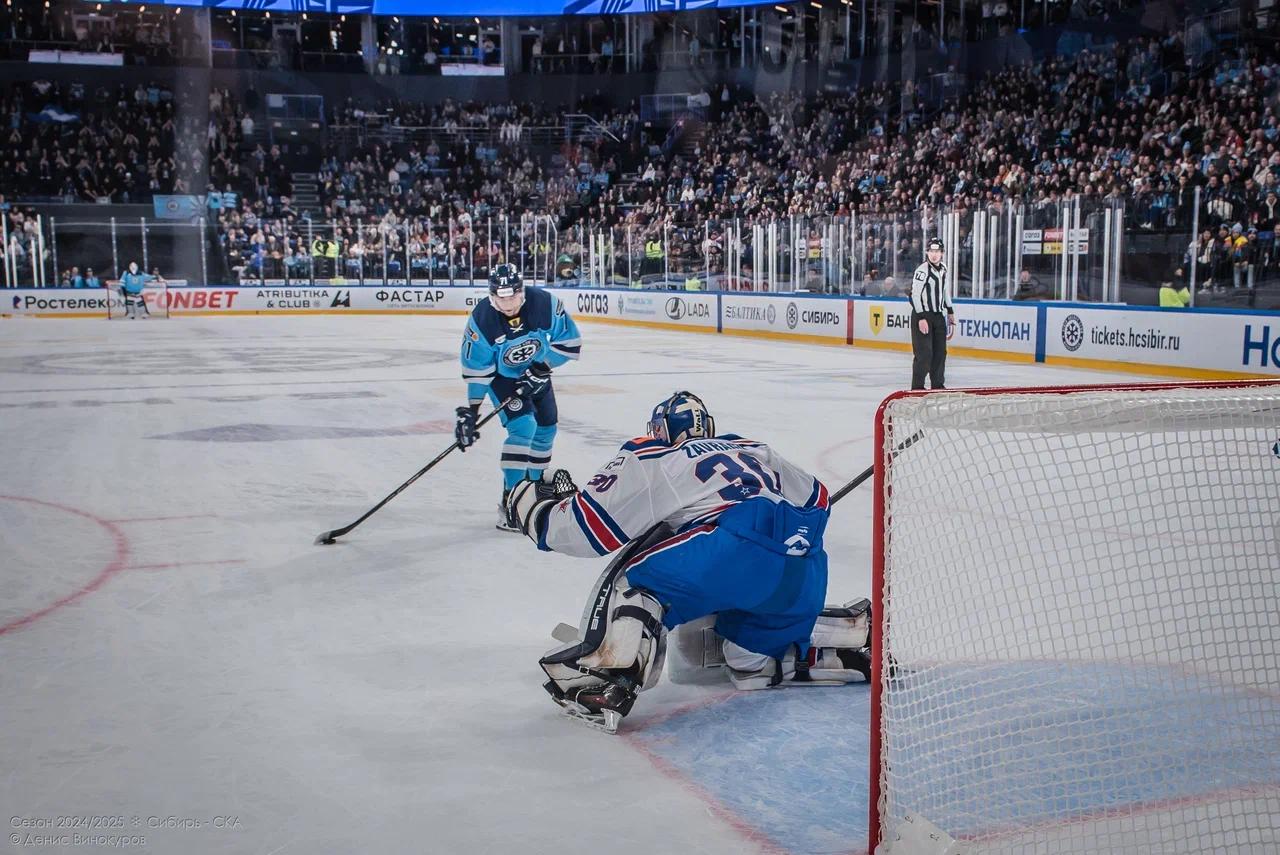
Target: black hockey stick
867	473
328	536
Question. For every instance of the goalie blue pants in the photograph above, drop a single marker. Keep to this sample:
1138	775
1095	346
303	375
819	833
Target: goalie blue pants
760	568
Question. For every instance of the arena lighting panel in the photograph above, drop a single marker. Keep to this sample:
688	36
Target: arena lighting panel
469	8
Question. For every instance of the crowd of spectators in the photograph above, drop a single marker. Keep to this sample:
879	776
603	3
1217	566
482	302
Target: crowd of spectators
432	188
80	143
423	185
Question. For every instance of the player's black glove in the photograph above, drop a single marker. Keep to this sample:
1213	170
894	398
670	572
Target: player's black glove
530	502
465	430
534	381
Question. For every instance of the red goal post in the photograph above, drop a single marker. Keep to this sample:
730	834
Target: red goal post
978	739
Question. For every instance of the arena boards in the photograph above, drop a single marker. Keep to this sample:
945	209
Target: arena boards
1204	344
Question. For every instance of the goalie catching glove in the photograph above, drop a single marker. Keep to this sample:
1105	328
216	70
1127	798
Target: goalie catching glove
530	502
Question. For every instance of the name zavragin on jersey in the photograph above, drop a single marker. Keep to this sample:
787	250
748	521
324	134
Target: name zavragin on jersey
687	485
495	344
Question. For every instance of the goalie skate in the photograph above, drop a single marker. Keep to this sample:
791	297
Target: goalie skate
600	707
506	522
605	720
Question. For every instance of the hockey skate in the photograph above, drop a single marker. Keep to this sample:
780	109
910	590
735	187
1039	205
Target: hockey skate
506	520
601	706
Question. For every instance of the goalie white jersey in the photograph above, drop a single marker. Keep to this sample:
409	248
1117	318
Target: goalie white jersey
686	485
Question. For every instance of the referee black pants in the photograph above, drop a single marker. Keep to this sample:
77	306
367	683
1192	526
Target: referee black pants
930	350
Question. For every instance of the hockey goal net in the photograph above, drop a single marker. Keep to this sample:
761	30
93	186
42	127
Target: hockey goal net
1077	594
154	296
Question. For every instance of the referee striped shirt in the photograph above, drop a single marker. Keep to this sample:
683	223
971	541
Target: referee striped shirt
929	292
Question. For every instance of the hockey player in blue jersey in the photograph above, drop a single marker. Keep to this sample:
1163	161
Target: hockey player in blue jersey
511	343
131	284
708	525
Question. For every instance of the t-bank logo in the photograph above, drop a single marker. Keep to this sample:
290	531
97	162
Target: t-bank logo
879	319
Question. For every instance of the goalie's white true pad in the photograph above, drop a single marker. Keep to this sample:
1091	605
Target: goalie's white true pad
625	626
847	626
750	671
698	652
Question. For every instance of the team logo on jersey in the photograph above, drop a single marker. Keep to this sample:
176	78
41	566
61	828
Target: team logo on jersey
793	316
797	544
516	324
1072	333
516	405
521	353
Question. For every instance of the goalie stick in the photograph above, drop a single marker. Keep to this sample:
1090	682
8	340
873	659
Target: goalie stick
867	473
327	537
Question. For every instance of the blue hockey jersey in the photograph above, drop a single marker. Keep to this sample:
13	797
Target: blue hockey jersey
495	345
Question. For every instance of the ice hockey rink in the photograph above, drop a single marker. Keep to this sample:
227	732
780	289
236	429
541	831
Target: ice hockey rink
177	656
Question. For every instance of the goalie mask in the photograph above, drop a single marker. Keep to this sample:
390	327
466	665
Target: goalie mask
680	417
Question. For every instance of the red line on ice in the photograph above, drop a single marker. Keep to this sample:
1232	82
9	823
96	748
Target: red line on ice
115	565
746	830
161	519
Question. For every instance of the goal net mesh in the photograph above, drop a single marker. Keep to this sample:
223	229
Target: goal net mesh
1081	595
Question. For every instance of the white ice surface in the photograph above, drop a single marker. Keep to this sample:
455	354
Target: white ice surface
172	644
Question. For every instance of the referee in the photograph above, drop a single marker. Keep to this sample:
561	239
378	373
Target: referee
929	330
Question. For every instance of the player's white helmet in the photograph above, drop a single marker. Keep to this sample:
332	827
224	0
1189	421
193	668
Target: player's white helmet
680	417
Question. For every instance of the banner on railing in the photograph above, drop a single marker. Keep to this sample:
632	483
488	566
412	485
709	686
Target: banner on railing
791	316
651	308
994	327
1179	343
1211	342
86	302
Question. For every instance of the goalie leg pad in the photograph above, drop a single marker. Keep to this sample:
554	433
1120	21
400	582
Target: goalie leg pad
838	647
620	647
846	626
750	671
837	652
695	653
624	636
